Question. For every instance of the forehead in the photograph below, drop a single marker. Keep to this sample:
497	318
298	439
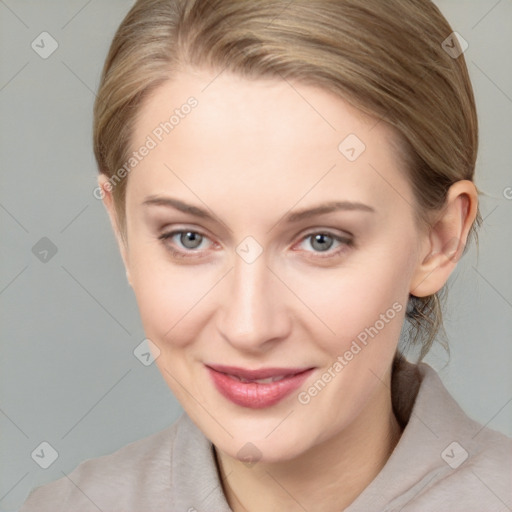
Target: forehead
276	111
273	135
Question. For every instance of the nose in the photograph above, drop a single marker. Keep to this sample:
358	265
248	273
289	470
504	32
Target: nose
254	316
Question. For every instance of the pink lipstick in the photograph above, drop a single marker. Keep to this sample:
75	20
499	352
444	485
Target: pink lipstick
257	389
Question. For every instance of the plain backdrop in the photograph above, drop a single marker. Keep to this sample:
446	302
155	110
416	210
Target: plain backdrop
69	319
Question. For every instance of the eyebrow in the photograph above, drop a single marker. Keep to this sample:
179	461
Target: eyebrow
295	216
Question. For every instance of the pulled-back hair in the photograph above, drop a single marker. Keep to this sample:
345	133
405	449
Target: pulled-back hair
396	60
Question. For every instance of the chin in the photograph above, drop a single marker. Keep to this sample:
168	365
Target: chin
260	441
263	451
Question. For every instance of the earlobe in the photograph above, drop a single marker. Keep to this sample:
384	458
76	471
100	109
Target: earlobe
435	269
446	239
108	202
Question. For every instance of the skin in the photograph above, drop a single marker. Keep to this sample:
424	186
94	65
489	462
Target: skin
251	153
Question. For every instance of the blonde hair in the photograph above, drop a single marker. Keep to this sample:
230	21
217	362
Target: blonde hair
389	59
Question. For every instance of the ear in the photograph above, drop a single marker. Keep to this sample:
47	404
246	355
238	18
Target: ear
446	239
108	201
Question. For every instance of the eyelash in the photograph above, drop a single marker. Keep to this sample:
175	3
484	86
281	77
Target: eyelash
346	243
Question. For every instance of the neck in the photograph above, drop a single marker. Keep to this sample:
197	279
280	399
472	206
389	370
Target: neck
327	477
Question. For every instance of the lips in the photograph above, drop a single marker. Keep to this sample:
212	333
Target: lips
256	389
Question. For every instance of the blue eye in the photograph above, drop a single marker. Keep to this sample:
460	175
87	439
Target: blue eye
190	241
323	241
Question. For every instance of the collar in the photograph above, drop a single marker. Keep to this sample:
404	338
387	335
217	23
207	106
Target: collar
430	417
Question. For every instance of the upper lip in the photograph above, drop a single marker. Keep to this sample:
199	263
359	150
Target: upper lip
262	373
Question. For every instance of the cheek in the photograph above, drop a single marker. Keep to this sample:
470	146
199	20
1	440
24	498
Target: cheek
363	301
170	297
335	305
365	287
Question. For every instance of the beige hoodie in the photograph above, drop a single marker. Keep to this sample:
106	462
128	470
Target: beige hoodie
443	462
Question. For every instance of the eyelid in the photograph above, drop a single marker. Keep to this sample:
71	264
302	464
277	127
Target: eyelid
166	235
346	240
345	235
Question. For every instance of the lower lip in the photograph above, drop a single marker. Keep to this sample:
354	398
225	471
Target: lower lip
253	394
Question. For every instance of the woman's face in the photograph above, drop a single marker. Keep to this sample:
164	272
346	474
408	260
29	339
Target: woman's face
269	276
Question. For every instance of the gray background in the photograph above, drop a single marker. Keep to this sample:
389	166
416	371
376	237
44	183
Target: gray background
70	324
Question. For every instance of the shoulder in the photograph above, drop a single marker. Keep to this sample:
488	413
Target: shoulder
444	460
121	480
470	464
474	474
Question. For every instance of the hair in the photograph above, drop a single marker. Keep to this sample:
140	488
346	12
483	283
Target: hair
388	59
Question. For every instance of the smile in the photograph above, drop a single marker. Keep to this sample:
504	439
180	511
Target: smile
256	389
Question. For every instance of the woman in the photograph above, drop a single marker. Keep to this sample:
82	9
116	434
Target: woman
233	140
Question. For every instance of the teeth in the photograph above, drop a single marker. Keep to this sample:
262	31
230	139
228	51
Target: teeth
261	381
